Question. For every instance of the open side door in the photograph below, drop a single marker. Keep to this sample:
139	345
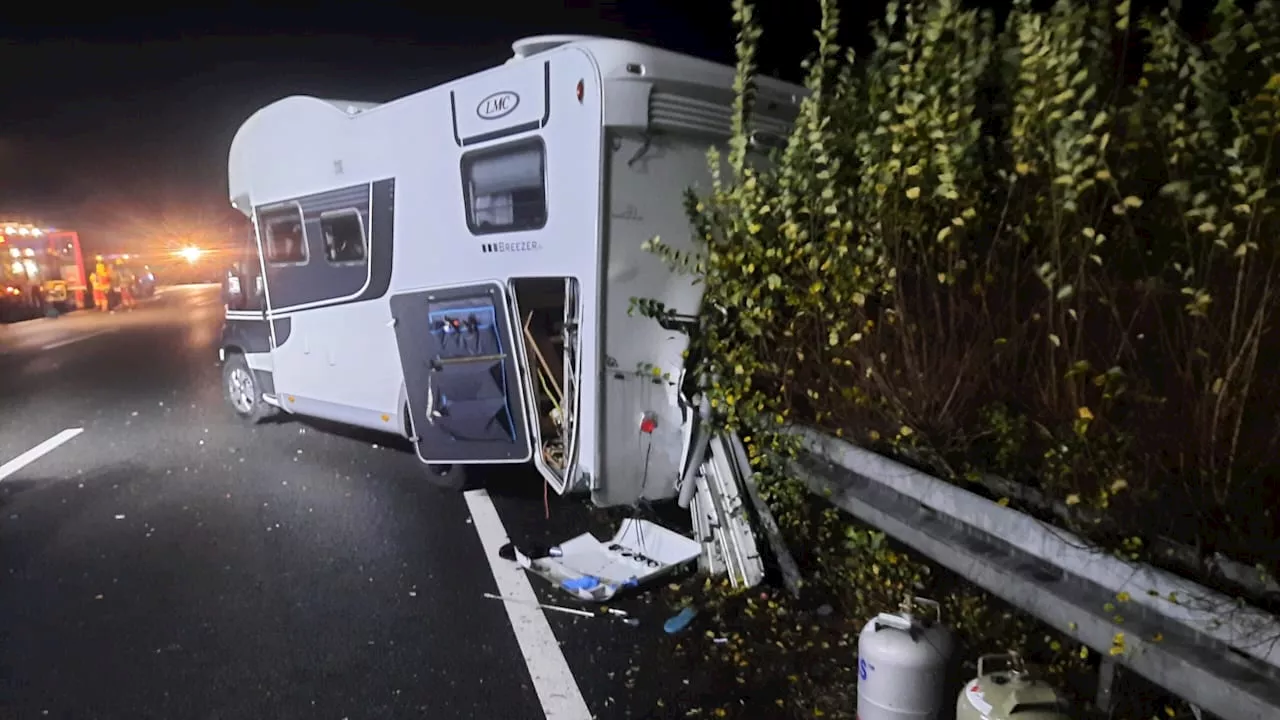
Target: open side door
460	363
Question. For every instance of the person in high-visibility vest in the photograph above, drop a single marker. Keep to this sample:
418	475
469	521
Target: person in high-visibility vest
101	282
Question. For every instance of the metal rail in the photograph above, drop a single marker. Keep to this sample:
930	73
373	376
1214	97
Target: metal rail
1212	651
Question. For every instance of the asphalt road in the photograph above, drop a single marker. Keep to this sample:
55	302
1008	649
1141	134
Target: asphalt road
166	561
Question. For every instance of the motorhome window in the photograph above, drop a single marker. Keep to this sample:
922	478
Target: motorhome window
286	240
343	237
506	188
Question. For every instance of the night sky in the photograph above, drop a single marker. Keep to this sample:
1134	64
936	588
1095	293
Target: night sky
117	121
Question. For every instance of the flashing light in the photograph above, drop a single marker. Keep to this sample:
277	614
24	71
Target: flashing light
29	252
17	266
37	232
10	230
15	252
24	231
31	268
191	253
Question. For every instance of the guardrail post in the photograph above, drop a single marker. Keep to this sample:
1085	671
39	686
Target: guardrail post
1106	683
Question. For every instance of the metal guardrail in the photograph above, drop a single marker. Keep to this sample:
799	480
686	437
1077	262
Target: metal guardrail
1210	650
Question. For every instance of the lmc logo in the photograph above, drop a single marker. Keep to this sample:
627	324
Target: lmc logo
499	104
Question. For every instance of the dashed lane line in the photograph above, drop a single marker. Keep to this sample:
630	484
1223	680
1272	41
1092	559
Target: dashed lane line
40	451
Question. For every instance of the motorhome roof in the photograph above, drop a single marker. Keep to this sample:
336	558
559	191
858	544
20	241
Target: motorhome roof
618	61
351	107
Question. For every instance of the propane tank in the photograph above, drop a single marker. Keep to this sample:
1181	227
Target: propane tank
902	664
1002	692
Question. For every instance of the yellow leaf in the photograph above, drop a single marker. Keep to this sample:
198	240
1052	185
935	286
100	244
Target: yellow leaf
1084	652
1133	201
1073	499
1057	342
1084	413
1022	168
905	431
1123	597
913	193
1118	484
1117	650
1003	502
1103	175
873	435
913	170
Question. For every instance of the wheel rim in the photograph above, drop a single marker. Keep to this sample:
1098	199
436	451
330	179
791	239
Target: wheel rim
240	387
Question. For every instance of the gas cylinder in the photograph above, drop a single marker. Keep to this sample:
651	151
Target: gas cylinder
998	694
902	664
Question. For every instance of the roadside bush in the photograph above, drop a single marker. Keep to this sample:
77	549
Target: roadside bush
1044	251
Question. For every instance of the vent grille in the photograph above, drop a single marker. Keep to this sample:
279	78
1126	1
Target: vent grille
680	113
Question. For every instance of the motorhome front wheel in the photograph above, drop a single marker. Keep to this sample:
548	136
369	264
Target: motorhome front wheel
241	390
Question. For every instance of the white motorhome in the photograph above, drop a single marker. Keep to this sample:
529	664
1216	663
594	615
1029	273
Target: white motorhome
456	267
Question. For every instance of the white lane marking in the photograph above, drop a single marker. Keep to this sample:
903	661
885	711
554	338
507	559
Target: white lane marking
41	450
67	341
557	689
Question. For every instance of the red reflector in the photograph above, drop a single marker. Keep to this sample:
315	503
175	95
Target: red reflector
648	425
579	91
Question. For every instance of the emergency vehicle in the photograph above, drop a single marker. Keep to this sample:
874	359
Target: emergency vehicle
39	267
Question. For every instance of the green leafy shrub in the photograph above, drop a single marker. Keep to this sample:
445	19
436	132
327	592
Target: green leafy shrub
1045	251
997	252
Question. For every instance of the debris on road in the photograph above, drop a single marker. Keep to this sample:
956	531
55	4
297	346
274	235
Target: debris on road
678	622
544	606
591	570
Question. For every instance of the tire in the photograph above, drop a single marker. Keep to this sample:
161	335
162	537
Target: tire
241	391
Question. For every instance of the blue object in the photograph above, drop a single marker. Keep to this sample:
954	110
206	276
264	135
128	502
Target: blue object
586	582
679	621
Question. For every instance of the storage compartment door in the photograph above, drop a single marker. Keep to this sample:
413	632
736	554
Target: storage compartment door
460	371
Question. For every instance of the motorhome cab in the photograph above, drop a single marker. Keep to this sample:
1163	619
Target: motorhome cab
456	267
